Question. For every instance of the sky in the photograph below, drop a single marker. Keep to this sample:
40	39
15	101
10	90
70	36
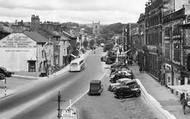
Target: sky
80	11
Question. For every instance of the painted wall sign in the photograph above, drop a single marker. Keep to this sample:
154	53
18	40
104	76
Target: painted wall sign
17	40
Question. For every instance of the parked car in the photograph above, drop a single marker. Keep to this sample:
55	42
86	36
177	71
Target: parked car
3	71
118	65
131	89
125	92
121	82
96	87
113	86
121	74
2	76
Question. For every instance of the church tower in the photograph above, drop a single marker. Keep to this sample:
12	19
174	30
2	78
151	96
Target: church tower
96	28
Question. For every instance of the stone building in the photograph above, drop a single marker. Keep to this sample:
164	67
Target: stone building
172	46
128	43
24	52
141	42
153	34
175	32
96	28
35	22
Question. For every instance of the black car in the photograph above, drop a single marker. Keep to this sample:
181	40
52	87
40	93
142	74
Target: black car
130	89
5	73
119	65
125	92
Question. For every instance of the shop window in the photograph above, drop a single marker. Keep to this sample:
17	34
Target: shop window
188	62
188	82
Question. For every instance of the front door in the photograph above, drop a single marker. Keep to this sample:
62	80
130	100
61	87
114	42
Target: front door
31	66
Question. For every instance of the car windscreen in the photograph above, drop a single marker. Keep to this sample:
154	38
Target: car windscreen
74	64
94	86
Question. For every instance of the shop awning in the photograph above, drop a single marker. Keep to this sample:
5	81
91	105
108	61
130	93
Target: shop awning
181	88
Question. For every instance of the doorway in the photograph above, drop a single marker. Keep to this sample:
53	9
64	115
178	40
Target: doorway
31	65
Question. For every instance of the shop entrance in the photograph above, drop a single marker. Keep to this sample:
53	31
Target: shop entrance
31	66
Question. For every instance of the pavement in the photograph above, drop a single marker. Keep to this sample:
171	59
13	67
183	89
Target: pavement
163	95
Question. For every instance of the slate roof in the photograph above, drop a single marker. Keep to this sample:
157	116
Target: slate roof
36	37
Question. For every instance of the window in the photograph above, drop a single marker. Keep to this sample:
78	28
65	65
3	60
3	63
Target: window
167	50
177	52
81	61
176	30
188	62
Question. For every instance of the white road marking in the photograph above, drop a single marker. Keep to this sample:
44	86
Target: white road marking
101	77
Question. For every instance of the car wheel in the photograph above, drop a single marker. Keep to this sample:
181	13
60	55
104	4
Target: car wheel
2	76
138	94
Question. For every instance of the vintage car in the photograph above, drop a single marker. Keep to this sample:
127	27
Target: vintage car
120	82
130	89
112	87
117	65
4	73
121	74
96	87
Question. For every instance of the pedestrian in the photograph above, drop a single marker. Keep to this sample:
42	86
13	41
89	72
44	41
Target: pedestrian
120	50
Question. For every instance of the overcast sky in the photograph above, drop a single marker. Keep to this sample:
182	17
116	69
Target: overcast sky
81	11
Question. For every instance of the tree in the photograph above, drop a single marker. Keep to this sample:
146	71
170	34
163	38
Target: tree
92	43
108	46
85	44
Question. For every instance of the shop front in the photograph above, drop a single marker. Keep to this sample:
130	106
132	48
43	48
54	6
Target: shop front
153	61
168	74
185	77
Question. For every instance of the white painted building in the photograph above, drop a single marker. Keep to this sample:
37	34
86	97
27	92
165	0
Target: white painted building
24	52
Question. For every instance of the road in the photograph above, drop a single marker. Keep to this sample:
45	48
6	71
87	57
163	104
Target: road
108	107
39	101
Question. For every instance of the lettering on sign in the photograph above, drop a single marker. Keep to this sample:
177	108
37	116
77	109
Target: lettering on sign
17	41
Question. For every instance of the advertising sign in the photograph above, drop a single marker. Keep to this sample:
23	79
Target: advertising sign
17	40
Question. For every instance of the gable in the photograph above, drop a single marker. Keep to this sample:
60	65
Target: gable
17	40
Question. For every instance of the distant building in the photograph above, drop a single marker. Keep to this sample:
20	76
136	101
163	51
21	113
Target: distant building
96	28
128	43
35	23
4	30
20	26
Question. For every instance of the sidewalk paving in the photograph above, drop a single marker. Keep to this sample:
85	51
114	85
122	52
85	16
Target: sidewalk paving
163	95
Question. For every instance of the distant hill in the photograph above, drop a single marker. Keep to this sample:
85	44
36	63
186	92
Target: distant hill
107	31
71	25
